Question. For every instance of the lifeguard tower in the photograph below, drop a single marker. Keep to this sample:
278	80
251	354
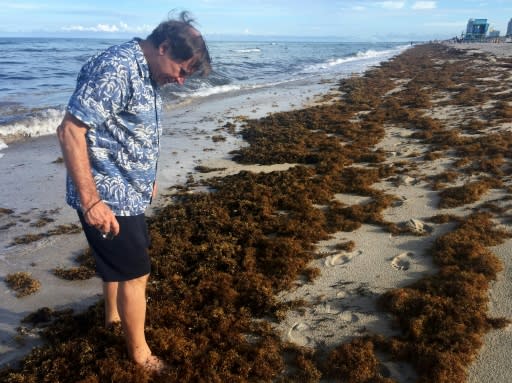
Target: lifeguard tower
476	30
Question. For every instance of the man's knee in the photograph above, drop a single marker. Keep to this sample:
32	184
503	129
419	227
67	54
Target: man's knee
136	282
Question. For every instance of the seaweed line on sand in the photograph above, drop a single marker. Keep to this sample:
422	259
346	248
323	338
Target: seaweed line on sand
59	230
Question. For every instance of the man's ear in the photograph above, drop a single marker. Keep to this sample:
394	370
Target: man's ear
163	49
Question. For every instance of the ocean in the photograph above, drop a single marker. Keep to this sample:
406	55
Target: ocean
37	75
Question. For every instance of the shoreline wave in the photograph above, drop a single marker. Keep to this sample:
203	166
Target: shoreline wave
33	124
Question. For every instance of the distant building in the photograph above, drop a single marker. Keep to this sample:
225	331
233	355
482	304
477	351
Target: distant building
476	29
494	33
509	28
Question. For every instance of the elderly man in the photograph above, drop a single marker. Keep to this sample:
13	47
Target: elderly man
110	142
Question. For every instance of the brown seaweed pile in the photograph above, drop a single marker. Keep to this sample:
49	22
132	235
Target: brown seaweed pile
22	283
220	258
468	193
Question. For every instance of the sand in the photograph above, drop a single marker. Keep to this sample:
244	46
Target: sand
342	299
494	49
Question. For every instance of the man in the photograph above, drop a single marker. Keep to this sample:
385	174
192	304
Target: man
110	142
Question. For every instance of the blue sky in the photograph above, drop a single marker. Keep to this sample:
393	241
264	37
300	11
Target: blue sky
351	20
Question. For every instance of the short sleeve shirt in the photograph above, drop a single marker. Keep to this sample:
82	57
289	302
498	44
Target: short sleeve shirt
116	98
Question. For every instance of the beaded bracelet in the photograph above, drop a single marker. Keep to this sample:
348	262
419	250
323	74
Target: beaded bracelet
90	207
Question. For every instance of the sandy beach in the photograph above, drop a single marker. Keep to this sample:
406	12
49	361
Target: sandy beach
357	232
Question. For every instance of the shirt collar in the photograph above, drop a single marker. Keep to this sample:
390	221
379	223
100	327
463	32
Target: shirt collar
141	59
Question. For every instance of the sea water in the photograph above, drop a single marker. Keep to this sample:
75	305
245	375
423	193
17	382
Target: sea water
38	75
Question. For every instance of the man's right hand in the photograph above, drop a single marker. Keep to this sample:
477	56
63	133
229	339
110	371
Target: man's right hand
102	218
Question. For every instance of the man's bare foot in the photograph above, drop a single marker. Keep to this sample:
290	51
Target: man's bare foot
154	365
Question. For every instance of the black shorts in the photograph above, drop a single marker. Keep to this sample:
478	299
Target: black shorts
124	257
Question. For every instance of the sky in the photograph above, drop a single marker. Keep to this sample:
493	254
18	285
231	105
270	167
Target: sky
350	20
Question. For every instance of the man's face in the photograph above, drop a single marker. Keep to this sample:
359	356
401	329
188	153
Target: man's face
167	71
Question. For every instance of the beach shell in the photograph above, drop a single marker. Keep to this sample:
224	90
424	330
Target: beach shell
404	180
407	180
417	227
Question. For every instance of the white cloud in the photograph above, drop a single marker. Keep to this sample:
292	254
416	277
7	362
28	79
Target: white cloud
109	28
24	6
392	4
425	5
358	8
97	28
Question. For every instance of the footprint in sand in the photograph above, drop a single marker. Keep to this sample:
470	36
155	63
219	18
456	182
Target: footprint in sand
341	258
402	261
399	202
325	308
295	334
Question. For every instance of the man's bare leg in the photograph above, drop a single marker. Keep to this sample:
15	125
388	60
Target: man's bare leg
110	296
131	303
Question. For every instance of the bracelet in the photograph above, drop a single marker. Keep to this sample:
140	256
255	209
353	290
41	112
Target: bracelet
90	207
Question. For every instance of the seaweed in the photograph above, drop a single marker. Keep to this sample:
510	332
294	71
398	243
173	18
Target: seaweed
206	169
22	283
5	211
59	230
468	193
355	362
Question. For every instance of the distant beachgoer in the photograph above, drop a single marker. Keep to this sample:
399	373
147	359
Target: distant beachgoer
110	142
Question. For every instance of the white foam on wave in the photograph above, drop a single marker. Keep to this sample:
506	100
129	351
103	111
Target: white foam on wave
42	123
359	56
370	53
205	92
3	146
210	91
247	50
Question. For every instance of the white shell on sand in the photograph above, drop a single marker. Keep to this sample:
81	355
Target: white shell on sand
418	227
406	180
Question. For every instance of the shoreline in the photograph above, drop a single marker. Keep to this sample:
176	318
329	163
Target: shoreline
380	261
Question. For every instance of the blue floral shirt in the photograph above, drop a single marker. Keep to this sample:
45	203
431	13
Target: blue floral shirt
117	100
